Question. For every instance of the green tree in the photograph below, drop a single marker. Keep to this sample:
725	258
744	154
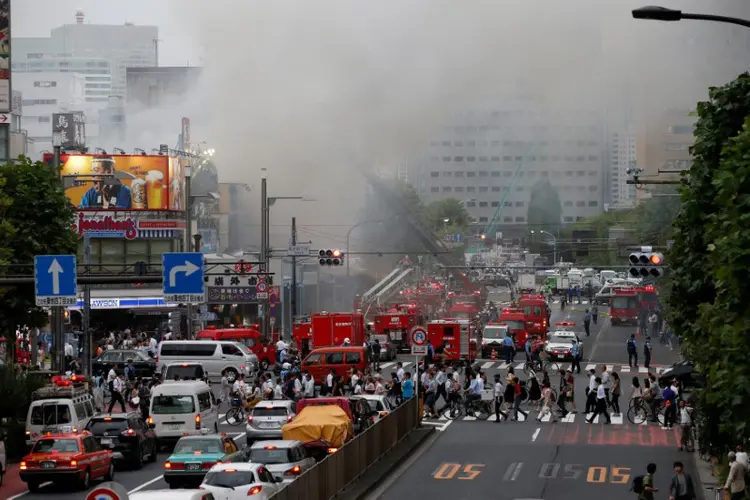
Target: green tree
411	198
544	214
451	209
36	220
710	274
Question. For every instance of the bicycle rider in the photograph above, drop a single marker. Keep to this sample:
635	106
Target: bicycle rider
474	392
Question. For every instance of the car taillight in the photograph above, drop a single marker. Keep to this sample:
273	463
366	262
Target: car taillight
332	450
22	466
294	471
556	352
254	490
150	420
128	432
74	463
197	422
289	418
249	419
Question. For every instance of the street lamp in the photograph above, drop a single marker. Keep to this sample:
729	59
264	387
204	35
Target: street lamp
349	233
554	243
656	13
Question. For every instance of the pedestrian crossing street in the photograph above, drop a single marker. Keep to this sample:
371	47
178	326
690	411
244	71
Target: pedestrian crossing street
569	418
518	367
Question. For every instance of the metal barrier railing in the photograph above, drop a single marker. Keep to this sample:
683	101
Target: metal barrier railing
336	471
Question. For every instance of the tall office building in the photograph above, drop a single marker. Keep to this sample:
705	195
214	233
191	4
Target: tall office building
622	151
491	160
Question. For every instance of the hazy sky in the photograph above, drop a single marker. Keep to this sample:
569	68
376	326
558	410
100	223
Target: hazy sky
315	90
38	17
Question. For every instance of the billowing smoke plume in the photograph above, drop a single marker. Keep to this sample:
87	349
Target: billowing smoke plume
315	91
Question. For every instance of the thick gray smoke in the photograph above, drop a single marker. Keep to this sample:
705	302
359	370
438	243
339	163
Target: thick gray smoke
316	91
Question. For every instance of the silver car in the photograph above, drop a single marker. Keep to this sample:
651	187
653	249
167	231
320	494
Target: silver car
285	459
267	418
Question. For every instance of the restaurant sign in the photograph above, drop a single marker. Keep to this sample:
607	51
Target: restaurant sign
128	228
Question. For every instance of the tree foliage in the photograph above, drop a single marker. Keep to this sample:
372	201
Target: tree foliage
710	262
436	213
36	220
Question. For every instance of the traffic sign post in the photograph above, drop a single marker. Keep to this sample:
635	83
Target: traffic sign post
419	348
261	290
55	280
108	491
183	278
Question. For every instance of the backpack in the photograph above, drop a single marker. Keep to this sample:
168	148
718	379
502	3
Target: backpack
637	485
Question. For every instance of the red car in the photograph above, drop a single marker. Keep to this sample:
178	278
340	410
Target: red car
70	459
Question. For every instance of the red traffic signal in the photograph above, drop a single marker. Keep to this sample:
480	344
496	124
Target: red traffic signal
331	257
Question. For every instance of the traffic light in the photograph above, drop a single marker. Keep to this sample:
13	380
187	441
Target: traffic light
331	257
646	265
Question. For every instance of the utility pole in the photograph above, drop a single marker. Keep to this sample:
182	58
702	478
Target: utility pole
86	307
264	250
293	294
56	321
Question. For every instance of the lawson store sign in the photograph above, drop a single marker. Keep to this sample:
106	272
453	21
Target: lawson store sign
134	303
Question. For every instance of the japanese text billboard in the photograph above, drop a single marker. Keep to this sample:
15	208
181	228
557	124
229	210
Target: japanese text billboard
122	182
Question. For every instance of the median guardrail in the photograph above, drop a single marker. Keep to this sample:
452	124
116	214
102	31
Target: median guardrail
331	475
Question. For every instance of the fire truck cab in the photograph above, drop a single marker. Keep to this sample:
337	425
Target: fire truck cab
537	313
515	320
452	340
624	307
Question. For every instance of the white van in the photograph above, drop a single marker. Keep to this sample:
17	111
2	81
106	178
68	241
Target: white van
58	409
180	408
215	356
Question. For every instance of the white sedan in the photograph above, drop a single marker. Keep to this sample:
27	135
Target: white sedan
378	403
235	481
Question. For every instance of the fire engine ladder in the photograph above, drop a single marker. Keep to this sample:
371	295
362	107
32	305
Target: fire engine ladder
389	289
370	294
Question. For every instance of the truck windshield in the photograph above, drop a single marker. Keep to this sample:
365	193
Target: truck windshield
494	332
177	404
50	414
513	324
624	302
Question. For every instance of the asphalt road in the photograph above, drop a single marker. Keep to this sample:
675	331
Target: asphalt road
514	461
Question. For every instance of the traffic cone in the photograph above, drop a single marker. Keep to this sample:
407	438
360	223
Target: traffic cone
638	331
493	355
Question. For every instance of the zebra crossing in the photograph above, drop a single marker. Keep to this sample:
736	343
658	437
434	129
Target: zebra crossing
517	367
568	419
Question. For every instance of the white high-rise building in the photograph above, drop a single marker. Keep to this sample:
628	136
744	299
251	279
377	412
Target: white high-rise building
96	72
623	157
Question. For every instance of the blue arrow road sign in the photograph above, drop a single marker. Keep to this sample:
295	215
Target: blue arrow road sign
55	280
183	278
458	237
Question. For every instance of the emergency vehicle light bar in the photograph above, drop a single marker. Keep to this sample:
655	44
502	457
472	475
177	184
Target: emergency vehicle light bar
565	323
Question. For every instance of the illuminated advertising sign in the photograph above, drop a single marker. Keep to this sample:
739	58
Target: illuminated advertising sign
123	182
126	227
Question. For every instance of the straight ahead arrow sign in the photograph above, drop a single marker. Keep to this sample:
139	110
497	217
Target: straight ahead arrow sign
189	268
55	269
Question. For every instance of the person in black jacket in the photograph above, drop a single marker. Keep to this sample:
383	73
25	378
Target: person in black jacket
681	487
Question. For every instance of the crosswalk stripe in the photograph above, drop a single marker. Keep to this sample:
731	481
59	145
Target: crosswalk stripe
625	369
386	365
616	420
520	366
568	419
642	369
503	366
546	418
406	364
488	365
590	367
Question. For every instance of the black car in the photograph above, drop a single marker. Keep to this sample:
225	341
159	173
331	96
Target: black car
144	365
127	435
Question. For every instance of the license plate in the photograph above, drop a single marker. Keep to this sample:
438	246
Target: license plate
172	427
268	425
48	465
192	466
106	441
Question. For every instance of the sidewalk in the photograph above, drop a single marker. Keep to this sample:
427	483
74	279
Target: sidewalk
707	474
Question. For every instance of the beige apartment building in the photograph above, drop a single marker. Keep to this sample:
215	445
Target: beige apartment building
663	144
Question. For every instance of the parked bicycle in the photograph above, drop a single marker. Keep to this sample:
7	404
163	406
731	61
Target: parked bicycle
236	414
542	365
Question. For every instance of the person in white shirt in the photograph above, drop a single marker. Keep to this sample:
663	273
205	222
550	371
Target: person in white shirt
239	386
278	389
379	387
153	344
600	407
353	379
329	382
498	394
111	376
400	371
309	385
298	388
605	382
591	393
118	387
741	456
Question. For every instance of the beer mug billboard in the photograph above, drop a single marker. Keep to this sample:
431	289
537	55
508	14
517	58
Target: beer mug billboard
138	194
155	190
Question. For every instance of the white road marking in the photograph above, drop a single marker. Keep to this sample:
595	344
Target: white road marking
487	365
386	365
236	436
625	369
616	420
604	327
436	424
590	367
642	369
443	428
536	434
43	485
520	366
517	472
569	418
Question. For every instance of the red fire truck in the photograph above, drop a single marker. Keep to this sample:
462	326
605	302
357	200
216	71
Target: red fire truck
537	313
515	319
625	307
452	341
330	329
397	322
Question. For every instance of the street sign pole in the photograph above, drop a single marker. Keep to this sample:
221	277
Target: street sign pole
86	308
